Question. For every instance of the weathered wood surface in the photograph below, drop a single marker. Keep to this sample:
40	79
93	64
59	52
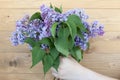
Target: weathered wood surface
105	4
109	17
104	53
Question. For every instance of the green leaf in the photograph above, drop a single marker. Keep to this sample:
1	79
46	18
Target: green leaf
51	39
53	29
79	33
72	28
61	43
77	53
30	41
61	9
47	63
70	42
45	41
51	5
58	10
54	53
75	19
78	22
37	55
36	15
56	63
73	54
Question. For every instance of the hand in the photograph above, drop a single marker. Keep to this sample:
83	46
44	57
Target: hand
70	69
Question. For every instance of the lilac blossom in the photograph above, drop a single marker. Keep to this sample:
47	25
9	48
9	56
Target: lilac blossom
96	29
82	43
18	36
44	46
14	39
79	12
39	29
36	29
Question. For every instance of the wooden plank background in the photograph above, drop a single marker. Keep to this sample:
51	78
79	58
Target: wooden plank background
104	53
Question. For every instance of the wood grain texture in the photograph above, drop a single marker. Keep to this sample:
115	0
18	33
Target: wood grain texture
110	42
19	63
105	4
104	53
25	77
14	63
110	17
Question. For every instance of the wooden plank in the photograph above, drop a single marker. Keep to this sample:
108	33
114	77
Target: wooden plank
14	63
110	42
25	77
109	17
104	63
104	53
18	63
75	4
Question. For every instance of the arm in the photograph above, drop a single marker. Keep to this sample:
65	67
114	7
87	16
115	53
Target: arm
72	70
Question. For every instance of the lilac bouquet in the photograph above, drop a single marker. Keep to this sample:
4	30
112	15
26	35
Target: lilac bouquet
51	34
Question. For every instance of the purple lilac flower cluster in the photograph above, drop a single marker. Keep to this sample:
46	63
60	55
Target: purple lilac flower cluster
39	29
95	29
